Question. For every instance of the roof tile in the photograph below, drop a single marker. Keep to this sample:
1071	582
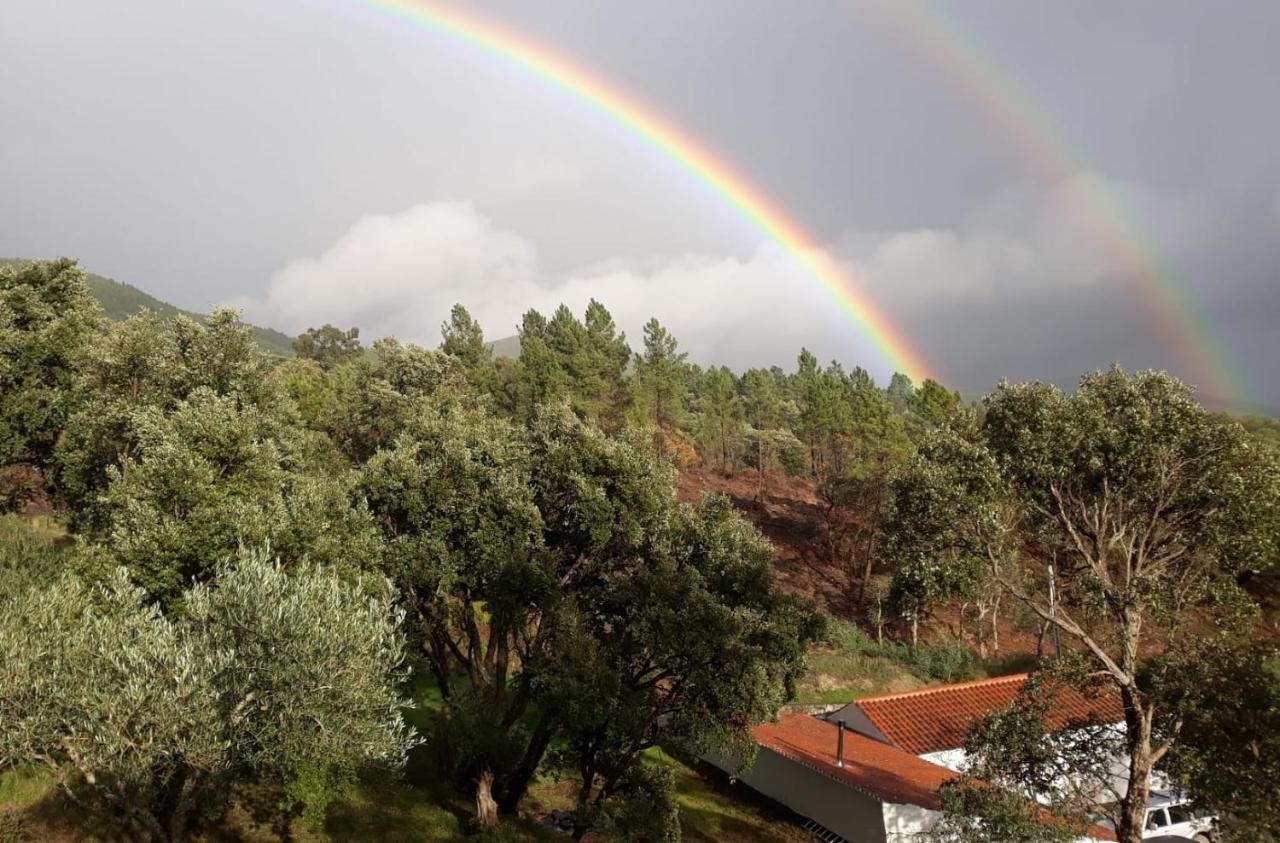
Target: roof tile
875	768
939	717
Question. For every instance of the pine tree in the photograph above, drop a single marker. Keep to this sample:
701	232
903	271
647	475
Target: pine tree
462	337
661	384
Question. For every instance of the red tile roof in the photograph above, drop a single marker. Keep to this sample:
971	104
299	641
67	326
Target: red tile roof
877	769
883	772
939	717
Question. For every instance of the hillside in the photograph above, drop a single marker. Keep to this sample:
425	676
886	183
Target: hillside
506	347
120	301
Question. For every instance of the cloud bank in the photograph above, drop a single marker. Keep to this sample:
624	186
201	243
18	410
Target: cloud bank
1022	272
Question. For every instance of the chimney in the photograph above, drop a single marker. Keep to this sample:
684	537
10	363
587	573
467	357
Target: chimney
839	743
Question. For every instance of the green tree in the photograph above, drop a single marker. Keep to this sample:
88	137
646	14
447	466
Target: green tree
948	524
602	379
933	404
692	647
583	361
1142	507
900	392
762	400
211	476
364	405
328	345
660	379
147	720
148	364
462	337
855	439
47	317
1229	752
555	571
720	418
771	416
541	378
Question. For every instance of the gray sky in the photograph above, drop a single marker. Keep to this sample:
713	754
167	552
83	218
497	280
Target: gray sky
318	160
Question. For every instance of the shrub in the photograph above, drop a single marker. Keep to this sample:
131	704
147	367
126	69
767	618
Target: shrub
945	661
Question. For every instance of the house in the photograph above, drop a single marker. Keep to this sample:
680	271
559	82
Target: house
931	723
876	779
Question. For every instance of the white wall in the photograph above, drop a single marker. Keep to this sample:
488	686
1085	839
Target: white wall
955	760
904	823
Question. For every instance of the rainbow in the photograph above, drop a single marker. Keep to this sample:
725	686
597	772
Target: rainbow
661	134
996	91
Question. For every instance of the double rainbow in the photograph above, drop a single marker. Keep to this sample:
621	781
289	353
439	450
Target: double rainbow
996	92
699	162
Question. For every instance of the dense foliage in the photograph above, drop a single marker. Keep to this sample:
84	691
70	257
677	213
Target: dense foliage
262	551
572	613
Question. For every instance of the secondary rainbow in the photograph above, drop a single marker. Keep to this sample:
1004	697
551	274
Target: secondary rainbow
660	133
995	90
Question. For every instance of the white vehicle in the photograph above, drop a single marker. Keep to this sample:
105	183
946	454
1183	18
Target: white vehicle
1171	815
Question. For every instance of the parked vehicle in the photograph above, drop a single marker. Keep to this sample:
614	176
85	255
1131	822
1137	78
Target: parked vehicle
1170	816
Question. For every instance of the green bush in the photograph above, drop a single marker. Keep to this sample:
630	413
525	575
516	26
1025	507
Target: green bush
945	661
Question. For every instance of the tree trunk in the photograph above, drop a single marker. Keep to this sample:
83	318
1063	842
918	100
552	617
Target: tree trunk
879	620
486	808
515	787
1133	807
760	469
1044	630
180	802
866	571
995	626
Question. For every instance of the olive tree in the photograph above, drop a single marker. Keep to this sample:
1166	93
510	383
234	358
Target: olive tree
284	679
114	700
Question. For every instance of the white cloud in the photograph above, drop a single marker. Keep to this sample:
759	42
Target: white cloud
400	273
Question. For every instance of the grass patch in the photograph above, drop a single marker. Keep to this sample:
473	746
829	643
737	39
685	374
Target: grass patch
24	787
712	809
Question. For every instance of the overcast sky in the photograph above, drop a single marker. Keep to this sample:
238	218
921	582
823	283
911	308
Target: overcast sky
320	161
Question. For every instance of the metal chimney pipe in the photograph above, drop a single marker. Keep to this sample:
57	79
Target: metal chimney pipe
839	743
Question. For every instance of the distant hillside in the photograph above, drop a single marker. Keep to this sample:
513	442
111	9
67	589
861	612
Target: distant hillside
506	347
120	301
